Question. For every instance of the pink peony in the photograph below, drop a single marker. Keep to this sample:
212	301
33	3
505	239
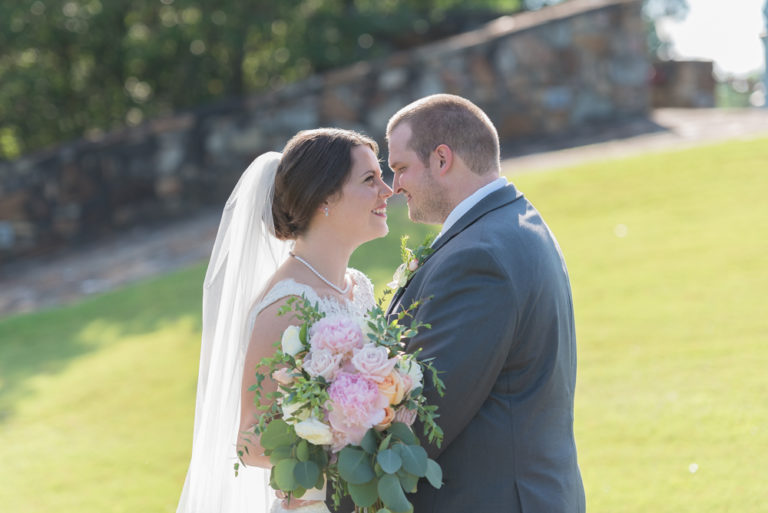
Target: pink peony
355	406
337	334
373	362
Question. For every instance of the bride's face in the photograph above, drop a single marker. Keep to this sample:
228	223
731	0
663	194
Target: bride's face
360	210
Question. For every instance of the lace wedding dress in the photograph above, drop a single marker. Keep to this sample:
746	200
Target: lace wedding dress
362	301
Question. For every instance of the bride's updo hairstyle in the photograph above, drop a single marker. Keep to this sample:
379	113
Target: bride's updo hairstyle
314	167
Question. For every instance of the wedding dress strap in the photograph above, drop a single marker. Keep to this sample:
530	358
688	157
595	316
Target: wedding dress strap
283	289
362	297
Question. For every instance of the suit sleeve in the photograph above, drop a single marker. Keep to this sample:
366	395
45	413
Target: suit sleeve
473	316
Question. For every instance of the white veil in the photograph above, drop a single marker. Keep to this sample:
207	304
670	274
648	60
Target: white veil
244	257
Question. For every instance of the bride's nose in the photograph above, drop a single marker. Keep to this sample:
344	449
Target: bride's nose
385	191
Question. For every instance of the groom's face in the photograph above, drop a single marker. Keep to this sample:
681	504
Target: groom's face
414	180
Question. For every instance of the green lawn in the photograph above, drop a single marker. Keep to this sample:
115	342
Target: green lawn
667	259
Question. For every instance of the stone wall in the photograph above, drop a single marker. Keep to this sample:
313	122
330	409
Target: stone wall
541	72
683	84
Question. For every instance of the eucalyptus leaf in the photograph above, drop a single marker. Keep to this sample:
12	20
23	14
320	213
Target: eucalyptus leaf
355	466
402	432
302	450
408	481
306	473
385	443
272	482
369	442
392	495
318	455
364	495
414	458
280	453
389	460
278	433
434	474
284	475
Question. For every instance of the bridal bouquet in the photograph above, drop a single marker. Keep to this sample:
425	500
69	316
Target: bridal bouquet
347	396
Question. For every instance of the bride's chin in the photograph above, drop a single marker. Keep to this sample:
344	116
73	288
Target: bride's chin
379	232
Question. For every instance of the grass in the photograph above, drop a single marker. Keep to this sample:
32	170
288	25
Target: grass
667	260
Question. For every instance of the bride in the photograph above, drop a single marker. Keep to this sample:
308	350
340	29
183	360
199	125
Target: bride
288	228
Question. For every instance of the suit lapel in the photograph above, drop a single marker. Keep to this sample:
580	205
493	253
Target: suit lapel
493	201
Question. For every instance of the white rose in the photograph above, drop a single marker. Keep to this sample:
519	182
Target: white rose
289	413
413	265
291	342
322	362
314	431
412	369
363	322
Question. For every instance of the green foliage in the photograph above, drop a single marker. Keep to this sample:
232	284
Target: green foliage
83	67
389	467
389	460
392	495
355	466
278	433
364	495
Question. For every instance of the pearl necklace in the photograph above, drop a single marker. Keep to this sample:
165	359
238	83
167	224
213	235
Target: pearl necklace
343	291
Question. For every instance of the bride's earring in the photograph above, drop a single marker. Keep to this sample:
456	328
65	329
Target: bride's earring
325	211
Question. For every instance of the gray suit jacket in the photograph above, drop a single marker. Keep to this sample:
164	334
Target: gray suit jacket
503	336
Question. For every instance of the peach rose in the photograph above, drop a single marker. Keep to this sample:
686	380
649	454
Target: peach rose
389	416
407	383
392	387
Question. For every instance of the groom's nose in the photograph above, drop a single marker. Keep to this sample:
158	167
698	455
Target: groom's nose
396	184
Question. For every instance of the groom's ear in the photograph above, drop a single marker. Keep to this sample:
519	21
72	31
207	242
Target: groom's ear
443	158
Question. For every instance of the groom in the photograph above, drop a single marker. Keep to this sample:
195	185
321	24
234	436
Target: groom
502	319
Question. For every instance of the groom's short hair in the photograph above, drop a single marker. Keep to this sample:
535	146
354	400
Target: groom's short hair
454	121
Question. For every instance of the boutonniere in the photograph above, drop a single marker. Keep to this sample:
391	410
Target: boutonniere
412	260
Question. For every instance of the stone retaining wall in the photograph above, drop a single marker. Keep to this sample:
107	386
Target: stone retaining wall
535	73
683	84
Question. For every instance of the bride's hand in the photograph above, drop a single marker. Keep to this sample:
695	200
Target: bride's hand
293	503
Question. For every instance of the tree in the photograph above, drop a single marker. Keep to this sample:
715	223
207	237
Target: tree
73	68
655	10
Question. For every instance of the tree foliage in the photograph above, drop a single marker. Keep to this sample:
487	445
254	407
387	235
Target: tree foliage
70	68
73	68
655	10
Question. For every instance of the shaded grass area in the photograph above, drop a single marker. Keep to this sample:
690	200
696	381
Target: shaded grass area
667	260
